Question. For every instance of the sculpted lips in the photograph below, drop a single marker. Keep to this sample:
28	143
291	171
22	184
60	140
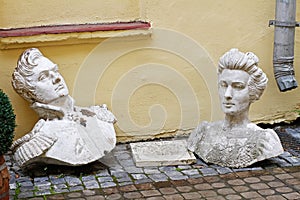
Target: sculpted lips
59	87
228	104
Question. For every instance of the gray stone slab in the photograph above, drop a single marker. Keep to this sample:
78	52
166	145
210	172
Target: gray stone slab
161	153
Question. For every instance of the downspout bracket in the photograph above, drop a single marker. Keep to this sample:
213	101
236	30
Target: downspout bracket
283	24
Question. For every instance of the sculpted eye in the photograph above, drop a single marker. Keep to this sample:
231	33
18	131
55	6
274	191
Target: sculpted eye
239	85
43	76
223	84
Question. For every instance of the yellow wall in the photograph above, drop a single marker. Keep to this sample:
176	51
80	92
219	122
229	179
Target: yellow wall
157	84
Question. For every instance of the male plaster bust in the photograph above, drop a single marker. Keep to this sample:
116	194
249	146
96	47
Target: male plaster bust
235	141
65	134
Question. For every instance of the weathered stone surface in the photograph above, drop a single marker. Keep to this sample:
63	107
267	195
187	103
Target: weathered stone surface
235	141
65	134
161	153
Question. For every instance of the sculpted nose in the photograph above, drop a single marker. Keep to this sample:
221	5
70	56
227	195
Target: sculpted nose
56	78
228	93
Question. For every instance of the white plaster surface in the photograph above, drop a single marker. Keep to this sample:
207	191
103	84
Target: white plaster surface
161	153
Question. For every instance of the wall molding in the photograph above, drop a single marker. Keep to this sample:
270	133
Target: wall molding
69	33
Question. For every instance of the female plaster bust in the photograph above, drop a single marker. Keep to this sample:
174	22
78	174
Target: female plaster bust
65	134
235	141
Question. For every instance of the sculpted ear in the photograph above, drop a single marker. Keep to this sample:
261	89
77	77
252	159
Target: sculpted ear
18	83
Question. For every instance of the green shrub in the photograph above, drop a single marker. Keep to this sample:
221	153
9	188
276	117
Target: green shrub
7	123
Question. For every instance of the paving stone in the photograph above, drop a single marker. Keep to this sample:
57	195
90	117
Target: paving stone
196	176
224	170
177	177
56	181
60	190
191	195
103	173
195	180
114	197
183	167
56	197
143	181
173	197
293	160
96	197
145	186
284	189
236	182
93	184
119	174
107	184
184	188
292	181
125	183
208	172
275	197
60	186
124	179
208	193
251	195
132	195
190	172
25	194
233	197
37	198
73	181
134	170
148	193
168	190
203	186
283	176
155	198
40	179
215	198
28	188
267	178
218	185
292	195
258	186
105	179
266	192
151	171
127	163
158	177
123	156
212	179
76	188
88	178
139	176
42	192
110	190
167	169
252	180
89	192
275	184
225	191
296	174
128	188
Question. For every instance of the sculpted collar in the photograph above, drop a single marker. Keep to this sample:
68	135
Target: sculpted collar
57	109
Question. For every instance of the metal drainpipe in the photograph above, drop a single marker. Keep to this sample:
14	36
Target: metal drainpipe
284	36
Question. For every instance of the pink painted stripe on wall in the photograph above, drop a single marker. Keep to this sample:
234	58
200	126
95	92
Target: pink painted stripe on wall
73	28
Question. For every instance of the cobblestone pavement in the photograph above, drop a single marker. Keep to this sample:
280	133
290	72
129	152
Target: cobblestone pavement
277	178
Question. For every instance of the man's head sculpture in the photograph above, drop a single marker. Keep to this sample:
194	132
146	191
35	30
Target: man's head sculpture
65	134
37	79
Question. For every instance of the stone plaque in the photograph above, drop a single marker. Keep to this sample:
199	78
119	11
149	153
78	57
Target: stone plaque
161	153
